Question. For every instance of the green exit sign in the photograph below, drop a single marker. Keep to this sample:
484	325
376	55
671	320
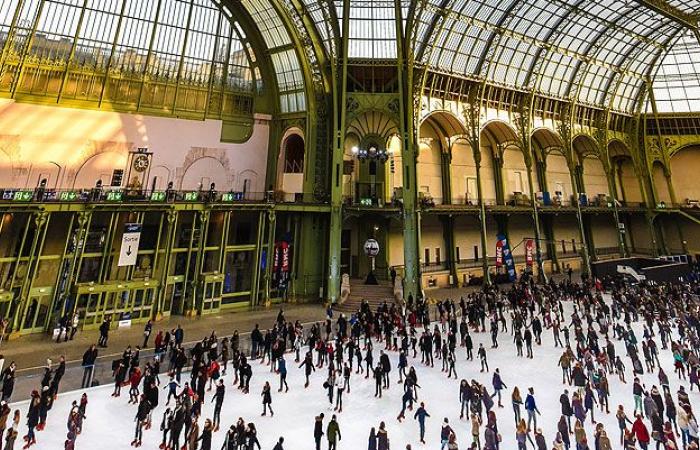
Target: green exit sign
69	196
191	196
227	197
114	196
23	196
157	196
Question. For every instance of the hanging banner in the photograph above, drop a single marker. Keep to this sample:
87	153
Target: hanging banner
529	251
507	256
284	250
276	258
499	253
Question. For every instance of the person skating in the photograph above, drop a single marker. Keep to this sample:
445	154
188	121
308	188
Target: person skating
339	389
205	437
278	445
141	419
333	433
192	435
32	419
4	416
267	399
482	358
378	375
517	401
382	437
218	400
445	432
308	365
177	424
641	432
10	439
421	414
498	386
318	430
282	369
531	408
406	401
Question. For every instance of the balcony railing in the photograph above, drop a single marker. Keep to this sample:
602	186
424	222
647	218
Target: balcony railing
127	195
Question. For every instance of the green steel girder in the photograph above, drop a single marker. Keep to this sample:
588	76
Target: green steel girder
671	12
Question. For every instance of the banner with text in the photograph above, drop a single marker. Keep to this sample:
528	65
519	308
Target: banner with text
507	256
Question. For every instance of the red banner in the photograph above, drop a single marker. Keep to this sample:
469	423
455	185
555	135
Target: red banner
499	253
529	251
275	258
284	246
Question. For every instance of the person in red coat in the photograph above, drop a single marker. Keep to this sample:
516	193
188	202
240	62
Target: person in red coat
640	430
134	380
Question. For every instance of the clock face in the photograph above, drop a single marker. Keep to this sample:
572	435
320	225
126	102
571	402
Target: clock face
141	163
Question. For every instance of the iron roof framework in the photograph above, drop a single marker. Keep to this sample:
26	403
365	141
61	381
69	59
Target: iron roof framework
599	53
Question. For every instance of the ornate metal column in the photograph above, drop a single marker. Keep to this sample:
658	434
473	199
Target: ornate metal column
339	116
472	114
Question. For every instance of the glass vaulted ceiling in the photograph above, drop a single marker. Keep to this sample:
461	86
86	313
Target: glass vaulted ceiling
677	82
596	52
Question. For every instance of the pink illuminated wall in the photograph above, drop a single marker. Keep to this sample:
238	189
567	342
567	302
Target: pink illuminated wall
73	148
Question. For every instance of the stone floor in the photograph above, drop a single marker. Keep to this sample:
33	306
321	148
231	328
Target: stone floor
31	351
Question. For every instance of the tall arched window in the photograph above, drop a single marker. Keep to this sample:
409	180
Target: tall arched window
294	154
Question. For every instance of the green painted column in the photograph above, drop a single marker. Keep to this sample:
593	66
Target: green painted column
411	233
271	226
41	221
536	219
446	176
498	177
547	222
585	257
339	117
612	190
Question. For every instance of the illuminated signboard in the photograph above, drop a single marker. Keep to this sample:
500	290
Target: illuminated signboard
68	196
191	196
23	196
157	196
114	196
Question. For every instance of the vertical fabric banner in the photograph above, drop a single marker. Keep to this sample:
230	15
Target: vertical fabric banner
499	252
507	256
529	251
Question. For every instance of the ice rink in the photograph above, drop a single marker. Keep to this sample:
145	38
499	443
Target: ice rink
110	422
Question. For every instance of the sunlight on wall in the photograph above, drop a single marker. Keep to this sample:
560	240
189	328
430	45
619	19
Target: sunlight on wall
74	148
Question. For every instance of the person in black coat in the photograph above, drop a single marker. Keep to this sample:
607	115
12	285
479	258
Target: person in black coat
386	368
205	437
267	399
32	418
58	375
89	358
8	381
318	430
142	415
176	428
566	408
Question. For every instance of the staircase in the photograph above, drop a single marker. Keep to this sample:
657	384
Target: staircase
374	294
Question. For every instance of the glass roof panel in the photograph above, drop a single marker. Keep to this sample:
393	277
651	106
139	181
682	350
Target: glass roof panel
285	60
677	81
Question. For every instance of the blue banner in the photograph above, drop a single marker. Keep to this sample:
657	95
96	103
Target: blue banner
507	257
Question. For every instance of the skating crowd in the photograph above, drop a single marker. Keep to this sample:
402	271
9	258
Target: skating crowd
366	345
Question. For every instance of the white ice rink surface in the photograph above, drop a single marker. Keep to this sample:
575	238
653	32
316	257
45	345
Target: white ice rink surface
110	421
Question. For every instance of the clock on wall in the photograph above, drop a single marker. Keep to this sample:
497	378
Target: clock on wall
141	163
